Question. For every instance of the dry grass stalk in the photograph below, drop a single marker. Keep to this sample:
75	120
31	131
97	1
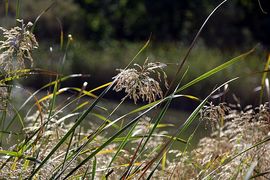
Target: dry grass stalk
240	131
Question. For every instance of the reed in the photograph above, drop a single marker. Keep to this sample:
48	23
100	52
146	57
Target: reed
59	139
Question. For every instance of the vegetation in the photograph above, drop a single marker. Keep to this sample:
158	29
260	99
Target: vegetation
104	21
107	38
64	134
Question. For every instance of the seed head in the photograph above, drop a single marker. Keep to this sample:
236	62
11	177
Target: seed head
17	47
137	82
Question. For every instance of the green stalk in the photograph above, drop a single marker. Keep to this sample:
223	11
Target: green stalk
235	156
94	168
123	144
18	6
78	122
215	70
6	7
184	126
264	76
181	64
108	142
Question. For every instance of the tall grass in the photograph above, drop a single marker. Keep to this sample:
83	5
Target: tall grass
54	143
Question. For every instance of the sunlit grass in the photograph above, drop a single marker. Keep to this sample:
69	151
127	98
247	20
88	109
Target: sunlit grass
64	132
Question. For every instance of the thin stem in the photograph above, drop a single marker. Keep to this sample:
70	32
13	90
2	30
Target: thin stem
181	64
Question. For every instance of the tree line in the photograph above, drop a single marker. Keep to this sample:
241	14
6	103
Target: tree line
237	23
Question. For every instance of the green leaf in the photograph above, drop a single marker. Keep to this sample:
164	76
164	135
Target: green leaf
215	70
18	155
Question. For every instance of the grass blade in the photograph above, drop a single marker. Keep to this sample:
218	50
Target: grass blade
18	6
62	90
193	43
123	144
215	70
18	155
237	155
108	142
193	115
6	7
41	14
153	171
94	168
184	126
17	114
78	122
120	139
61	33
139	52
264	76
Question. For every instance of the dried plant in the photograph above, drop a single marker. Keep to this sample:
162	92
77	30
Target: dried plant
215	114
17	47
240	131
44	141
3	97
56	128
138	84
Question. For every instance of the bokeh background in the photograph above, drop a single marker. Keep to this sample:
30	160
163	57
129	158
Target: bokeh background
107	34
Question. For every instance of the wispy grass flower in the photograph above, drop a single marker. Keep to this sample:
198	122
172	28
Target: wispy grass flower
138	84
3	97
16	48
214	154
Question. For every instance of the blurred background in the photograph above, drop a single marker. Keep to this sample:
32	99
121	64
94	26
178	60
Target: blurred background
107	34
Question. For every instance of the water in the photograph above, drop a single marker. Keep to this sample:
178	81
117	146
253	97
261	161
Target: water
174	118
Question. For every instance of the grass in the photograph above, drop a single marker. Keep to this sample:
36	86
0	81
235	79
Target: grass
86	58
54	143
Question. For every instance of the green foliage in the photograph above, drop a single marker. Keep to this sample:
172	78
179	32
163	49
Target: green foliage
237	24
87	58
67	12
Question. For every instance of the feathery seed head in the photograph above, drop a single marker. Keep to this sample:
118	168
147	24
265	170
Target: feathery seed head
17	47
138	84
